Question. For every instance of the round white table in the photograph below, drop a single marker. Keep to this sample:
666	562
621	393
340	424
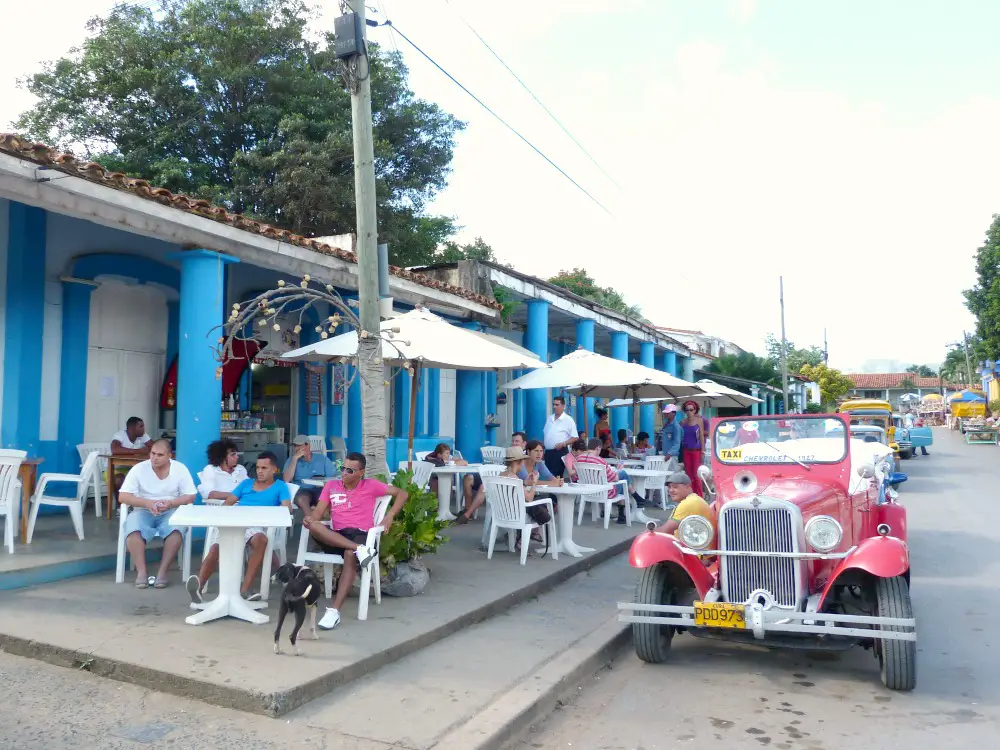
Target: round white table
444	475
567	495
638	477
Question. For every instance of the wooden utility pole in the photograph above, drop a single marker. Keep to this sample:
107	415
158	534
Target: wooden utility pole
369	364
968	364
784	345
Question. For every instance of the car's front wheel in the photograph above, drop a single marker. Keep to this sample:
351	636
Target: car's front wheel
897	658
652	641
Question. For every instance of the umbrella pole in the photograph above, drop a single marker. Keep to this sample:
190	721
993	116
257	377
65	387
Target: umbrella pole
414	382
586	426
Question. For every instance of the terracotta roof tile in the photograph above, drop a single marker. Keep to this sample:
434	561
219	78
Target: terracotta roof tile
39	153
876	380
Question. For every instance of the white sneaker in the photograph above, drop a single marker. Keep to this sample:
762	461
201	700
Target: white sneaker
193	586
330	620
364	555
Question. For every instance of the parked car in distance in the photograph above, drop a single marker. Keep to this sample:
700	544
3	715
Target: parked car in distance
809	551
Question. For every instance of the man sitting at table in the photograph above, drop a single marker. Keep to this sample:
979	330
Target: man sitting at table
351	501
155	488
304	464
266	490
132	441
593	456
475	494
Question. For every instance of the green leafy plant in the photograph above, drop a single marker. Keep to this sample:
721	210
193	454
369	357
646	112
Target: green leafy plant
504	297
995	406
813	408
416	529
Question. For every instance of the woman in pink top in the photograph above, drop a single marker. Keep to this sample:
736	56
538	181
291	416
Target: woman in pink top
352	500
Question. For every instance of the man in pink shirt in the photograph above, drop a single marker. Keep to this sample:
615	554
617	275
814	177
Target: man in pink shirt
351	500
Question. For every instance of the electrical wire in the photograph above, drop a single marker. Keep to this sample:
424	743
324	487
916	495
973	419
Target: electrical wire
533	95
503	122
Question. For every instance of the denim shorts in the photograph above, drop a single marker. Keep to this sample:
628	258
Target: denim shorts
150	526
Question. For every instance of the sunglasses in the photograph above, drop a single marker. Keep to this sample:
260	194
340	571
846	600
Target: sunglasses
349	470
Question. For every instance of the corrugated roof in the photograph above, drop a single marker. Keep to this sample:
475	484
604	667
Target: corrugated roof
64	161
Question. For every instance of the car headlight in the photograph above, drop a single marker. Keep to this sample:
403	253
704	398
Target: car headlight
823	533
696	532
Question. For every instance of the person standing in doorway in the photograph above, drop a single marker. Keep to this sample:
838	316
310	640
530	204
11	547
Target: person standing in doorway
670	437
560	432
693	443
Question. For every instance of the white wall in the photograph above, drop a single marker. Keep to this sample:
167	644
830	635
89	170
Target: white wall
447	401
4	221
48	428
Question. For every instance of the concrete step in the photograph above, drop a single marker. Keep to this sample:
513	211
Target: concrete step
482	682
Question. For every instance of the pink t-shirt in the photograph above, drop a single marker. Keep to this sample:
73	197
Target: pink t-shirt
353	509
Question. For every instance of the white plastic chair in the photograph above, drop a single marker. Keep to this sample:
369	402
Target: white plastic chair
509	510
317	443
100	483
10	493
277	544
339	447
421	455
371	574
657	483
184	554
494	454
486	470
421	471
85	481
595	474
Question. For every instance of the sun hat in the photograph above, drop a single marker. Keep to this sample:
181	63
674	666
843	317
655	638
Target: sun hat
669	409
514	453
678	477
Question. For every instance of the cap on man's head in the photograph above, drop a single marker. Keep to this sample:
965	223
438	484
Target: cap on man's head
678	477
300	440
514	453
669	409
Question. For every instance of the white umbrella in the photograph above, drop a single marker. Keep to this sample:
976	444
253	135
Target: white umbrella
422	339
587	373
731	399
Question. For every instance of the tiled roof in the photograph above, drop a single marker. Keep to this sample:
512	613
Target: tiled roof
64	161
678	330
875	380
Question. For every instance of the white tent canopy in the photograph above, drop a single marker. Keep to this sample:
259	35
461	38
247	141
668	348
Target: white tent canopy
725	398
426	340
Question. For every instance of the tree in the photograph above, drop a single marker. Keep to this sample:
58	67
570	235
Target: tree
983	300
922	371
907	384
833	384
746	366
811	355
231	101
953	369
478	250
581	284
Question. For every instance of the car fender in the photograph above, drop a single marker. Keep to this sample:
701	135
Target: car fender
894	516
652	548
880	556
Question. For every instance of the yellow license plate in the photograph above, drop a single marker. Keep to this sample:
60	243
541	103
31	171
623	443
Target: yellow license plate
719	615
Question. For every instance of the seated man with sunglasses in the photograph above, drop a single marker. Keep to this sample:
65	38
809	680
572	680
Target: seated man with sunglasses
352	500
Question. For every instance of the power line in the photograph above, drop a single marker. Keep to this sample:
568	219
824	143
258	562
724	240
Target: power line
534	96
503	122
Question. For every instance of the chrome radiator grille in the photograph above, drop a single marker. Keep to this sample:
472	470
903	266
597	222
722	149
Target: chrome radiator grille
764	529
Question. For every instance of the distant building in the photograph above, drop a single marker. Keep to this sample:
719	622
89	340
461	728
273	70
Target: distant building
887	386
701	343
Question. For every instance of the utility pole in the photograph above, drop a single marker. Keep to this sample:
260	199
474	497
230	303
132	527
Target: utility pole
784	346
968	365
369	361
826	350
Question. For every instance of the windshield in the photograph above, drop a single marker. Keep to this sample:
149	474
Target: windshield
789	440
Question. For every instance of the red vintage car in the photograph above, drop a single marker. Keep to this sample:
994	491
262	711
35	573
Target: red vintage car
809	552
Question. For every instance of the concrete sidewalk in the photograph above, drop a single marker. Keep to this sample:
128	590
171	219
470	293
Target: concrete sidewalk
136	636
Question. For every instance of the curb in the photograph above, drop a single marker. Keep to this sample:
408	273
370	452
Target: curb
280	703
538	693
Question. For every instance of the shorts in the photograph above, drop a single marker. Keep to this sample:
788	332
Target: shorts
312	492
212	536
477	482
150	526
355	535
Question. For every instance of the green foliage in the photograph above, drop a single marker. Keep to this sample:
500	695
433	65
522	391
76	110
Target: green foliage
833	384
812	355
813	408
233	102
907	384
922	371
580	283
747	366
995	406
983	300
503	296
416	529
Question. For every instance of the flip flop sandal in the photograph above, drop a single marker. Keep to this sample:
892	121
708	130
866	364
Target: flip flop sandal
141	583
160	583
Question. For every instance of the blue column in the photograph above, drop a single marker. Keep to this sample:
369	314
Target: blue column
688	369
585	340
470	420
354	435
433	402
73	387
647	418
22	362
199	391
401	404
420	429
518	408
620	418
490	394
754	407
536	340
670	363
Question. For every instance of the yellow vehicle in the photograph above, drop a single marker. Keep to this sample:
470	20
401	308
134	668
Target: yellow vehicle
873	411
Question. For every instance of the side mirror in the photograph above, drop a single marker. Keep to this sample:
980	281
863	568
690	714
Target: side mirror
866	471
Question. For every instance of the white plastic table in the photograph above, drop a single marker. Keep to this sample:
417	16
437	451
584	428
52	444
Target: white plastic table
638	477
624	463
318	481
567	495
444	475
232	521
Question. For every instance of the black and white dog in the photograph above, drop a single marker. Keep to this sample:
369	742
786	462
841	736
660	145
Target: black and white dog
301	592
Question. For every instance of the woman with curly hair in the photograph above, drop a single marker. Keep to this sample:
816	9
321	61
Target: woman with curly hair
224	471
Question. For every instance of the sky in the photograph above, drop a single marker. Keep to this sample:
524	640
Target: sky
848	147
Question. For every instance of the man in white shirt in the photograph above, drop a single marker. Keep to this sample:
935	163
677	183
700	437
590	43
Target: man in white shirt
132	441
560	433
154	489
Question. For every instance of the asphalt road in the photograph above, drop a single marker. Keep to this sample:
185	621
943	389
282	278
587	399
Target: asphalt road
711	695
